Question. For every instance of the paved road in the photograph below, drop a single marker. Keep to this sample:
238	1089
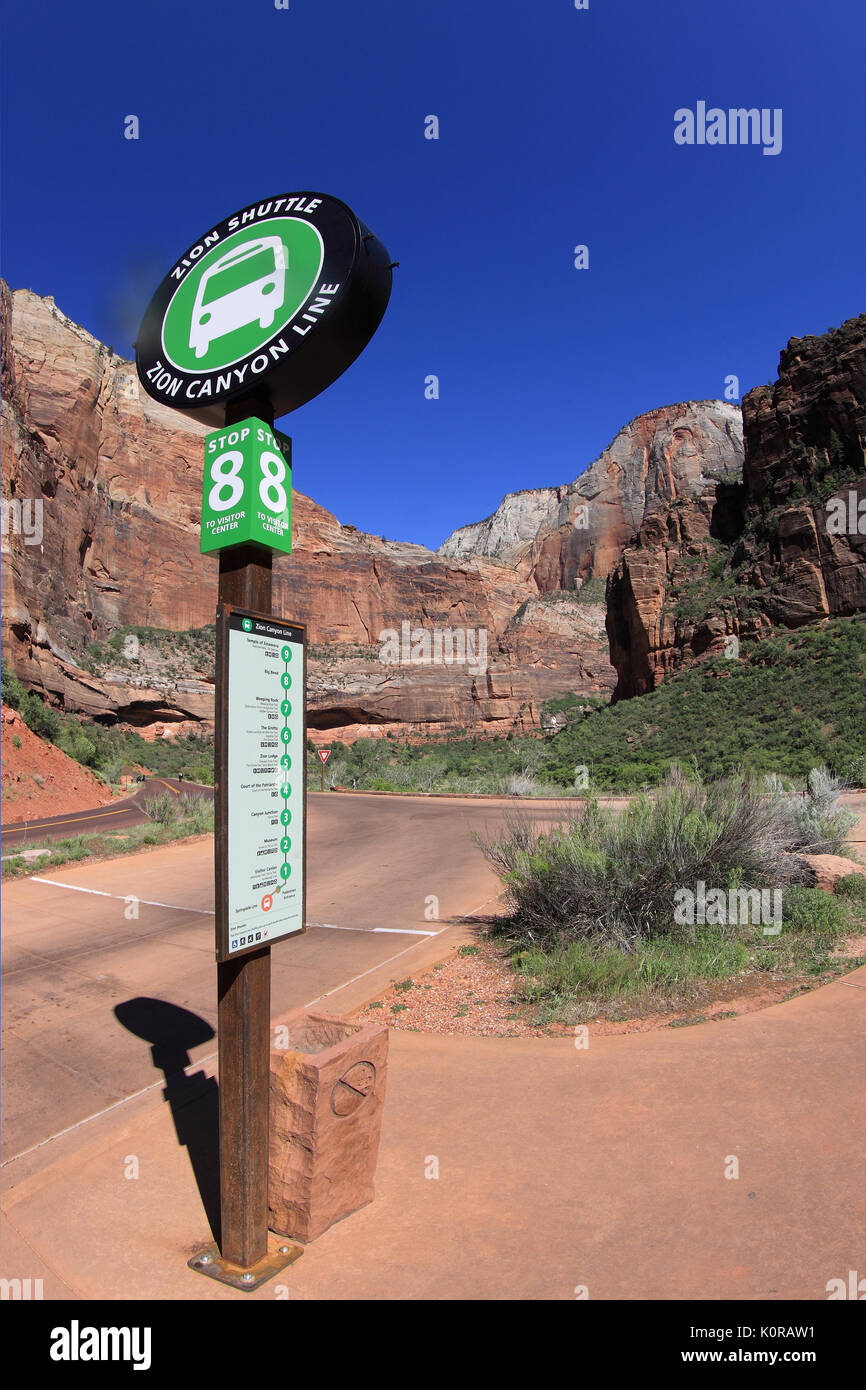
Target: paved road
557	1170
118	816
386	876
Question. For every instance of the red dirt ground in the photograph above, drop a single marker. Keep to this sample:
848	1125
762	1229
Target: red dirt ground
476	996
66	785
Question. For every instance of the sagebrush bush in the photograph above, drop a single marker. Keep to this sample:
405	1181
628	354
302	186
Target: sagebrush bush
817	824
196	811
163	809
612	878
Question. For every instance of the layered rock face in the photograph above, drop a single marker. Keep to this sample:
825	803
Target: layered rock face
514	525
118	479
733	562
699	545
560	537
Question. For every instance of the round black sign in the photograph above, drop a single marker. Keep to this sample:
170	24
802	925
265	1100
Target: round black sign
273	302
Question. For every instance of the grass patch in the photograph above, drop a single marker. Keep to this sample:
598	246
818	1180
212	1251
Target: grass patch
580	981
854	886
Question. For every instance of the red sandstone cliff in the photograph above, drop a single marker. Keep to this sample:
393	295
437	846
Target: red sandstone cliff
119	479
559	537
736	560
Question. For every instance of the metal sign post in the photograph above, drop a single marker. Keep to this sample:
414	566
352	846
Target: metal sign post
261	313
324	755
244	1255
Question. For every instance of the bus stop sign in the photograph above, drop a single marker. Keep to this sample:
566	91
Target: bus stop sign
274	302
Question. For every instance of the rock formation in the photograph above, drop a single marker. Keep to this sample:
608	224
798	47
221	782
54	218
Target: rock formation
731	562
118	478
710	525
560	537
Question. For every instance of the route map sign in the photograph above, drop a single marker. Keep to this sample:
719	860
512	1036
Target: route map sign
260	780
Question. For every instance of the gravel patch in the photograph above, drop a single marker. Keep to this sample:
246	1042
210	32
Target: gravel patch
474	994
471	994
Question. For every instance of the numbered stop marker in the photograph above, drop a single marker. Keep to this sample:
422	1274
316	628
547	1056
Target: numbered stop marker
247	488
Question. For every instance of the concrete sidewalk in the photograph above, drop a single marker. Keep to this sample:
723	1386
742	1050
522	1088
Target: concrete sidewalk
557	1168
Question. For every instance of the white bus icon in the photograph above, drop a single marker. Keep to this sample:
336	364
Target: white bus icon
222	304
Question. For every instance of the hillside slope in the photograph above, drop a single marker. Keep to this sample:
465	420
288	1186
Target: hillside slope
38	779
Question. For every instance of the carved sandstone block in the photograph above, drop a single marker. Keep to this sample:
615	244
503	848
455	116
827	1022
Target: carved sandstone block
327	1095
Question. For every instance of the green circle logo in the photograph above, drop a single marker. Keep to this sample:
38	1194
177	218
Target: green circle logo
241	293
287	653
285	817
246	624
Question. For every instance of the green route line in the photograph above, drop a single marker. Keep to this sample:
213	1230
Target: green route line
285	764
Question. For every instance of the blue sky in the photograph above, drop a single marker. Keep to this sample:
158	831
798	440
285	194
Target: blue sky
556	129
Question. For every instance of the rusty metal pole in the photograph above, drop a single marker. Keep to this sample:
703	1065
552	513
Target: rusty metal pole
244	986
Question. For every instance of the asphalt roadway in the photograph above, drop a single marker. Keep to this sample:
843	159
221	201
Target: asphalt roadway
558	1170
119	815
386	876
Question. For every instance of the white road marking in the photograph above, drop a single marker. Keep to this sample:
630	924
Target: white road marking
200	1061
121	897
405	931
97	892
208	911
393	931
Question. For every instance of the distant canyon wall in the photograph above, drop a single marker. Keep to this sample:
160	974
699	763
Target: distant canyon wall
737	562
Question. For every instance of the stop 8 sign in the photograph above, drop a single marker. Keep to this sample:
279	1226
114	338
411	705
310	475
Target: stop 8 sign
247	494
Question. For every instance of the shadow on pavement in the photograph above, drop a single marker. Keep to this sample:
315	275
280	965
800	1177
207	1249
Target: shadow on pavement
172	1032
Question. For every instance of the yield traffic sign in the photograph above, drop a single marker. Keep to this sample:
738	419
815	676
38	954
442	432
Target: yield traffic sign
324	754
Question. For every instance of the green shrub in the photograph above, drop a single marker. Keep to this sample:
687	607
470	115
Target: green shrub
812	911
852	886
13	691
74	742
196	812
41	718
613	878
162	809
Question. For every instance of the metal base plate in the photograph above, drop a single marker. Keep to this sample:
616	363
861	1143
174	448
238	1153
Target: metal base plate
281	1254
